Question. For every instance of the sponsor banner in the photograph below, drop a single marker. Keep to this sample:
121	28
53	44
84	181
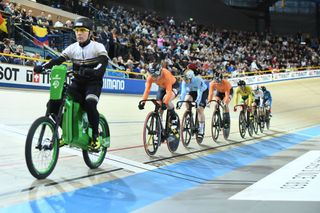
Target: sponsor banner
297	181
255	79
12	75
125	86
23	77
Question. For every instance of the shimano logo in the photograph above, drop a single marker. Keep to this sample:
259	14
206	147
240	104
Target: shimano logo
113	84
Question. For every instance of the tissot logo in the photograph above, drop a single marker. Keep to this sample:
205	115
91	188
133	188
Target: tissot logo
8	73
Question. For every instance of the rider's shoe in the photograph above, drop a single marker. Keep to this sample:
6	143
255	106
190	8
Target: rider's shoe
61	142
201	132
95	144
270	115
174	127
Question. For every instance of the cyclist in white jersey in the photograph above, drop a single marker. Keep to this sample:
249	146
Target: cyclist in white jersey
194	88
258	96
89	59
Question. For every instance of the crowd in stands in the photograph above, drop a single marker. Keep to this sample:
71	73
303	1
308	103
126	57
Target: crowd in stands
134	39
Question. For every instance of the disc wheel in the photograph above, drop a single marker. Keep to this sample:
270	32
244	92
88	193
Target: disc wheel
173	134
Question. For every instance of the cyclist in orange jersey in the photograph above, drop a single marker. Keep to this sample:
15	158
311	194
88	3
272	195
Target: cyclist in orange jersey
168	87
224	92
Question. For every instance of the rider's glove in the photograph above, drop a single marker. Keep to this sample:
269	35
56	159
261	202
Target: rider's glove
235	109
141	105
163	106
207	103
38	69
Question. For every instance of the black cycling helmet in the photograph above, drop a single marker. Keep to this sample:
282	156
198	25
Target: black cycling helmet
263	88
83	22
217	76
241	83
155	69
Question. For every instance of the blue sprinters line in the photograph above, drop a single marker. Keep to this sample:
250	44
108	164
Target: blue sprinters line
139	190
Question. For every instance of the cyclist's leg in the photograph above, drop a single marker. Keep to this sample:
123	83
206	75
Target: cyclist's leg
226	114
92	94
200	110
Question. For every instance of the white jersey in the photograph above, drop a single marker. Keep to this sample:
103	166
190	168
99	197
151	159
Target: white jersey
258	95
86	55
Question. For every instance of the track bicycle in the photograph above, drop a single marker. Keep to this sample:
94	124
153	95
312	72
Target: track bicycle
259	119
267	116
155	133
245	122
189	124
46	133
217	122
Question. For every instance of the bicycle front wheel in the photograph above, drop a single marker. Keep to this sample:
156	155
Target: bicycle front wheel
41	148
215	125
94	159
151	133
250	123
186	131
242	124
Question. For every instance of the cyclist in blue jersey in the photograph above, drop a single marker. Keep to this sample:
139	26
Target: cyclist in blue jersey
194	88
267	99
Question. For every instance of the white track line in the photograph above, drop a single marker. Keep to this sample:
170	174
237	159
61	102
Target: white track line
113	160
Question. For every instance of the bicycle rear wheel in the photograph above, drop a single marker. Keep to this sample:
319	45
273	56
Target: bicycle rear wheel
41	148
226	132
261	123
242	124
186	131
250	122
267	119
199	139
256	122
215	125
173	134
151	133
94	159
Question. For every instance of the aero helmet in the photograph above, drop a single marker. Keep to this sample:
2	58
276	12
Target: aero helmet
217	77
263	88
188	75
155	69
241	83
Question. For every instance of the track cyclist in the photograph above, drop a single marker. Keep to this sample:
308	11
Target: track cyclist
194	88
267	99
168	87
258	96
89	59
245	92
224	93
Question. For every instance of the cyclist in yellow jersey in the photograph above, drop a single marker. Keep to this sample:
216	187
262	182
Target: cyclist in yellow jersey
245	92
